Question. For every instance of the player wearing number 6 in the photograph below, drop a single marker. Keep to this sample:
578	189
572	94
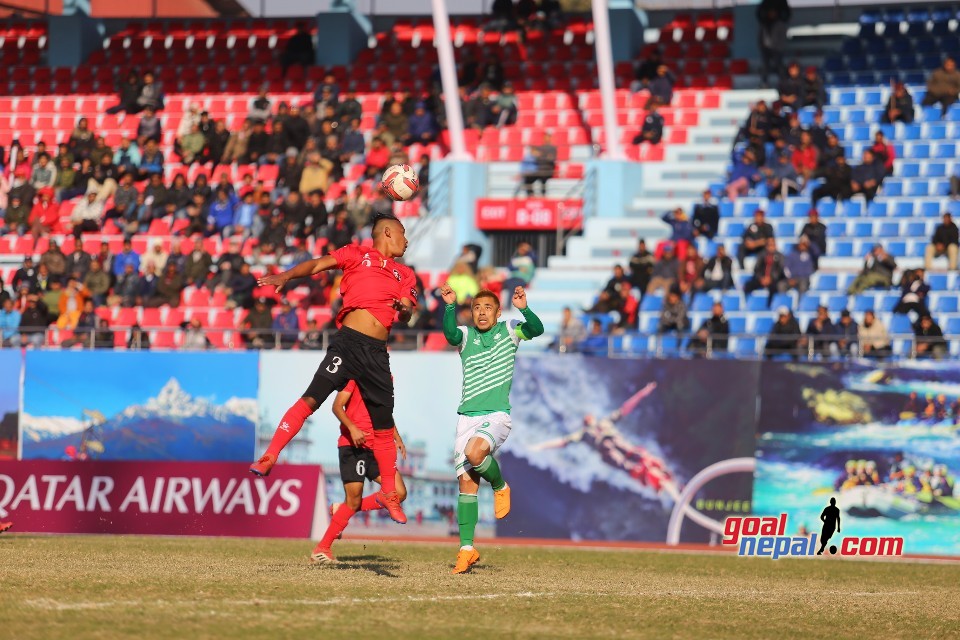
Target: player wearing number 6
374	288
488	351
357	463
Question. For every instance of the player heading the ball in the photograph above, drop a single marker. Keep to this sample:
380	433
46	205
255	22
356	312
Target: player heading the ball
377	291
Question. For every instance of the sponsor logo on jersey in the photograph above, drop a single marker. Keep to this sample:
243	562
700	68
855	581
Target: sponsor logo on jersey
396	274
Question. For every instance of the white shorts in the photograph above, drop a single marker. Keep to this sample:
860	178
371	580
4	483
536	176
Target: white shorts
492	427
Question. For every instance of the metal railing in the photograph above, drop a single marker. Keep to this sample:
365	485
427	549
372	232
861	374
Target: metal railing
626	345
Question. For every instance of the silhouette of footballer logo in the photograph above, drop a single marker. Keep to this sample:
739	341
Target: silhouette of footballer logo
831	522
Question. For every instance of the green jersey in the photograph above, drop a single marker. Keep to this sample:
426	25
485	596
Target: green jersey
488	358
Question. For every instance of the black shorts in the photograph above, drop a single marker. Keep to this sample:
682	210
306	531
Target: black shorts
355	356
357	464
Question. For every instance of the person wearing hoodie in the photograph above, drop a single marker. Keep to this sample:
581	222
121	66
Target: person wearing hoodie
422	127
221	214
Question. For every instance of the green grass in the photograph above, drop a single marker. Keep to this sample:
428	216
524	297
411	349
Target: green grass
113	587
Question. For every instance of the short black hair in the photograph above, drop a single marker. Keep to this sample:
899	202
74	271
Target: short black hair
379	220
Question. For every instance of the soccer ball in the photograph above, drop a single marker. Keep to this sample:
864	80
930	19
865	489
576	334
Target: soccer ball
400	182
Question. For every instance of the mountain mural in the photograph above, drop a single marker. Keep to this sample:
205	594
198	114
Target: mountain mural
173	425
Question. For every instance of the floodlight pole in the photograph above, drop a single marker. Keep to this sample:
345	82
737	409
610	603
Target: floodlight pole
448	80
608	97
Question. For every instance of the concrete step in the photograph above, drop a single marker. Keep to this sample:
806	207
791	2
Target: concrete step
697	153
620	249
714	135
741	100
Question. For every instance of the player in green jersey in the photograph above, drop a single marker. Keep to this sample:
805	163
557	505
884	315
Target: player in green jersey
488	351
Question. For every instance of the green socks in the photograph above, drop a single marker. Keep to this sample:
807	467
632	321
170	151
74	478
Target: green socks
489	470
468	512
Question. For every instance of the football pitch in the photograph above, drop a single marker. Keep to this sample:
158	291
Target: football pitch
122	587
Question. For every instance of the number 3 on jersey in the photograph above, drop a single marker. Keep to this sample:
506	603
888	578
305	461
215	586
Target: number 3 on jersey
334	365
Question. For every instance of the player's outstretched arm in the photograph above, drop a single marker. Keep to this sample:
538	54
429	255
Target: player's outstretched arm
451	331
532	326
302	270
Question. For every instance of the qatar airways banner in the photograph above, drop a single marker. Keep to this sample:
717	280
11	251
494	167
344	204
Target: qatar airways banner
530	214
163	498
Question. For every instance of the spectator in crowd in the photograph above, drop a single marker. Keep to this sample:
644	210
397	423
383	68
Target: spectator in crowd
848	332
867	176
816	233
673	314
641	267
423	127
151	161
240	287
327	93
44	173
71	304
463	282
522	266
756	127
785	336
87	215
149	128
899	106
706	216
743	176
943	86
718	272
821	333
768	272
192	145
66	178
197	266
814	94
81	140
236	149
829	154
194	337
33	322
884	152
312	337
665	271
755	236
713	334
652	129
397	123
128	157
151	94
286	325
17	216
877	272
572	332
54	260
799	266
805	157
127	289
791	88
352	143
103	337
929	338
340	233
507	107
316	174
782	178
221	214
945	241
913	293
139	339
97	282
596	343
545	165
9	325
256	324
127	256
836	182
377	159
873	337
45	214
661	87
690	273
169	288
646	70
611	296
773	17
681	229
299	49
78	262
84	327
127	94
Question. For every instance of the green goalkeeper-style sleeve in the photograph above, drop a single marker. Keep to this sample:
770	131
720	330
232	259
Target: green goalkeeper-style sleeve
451	331
531	327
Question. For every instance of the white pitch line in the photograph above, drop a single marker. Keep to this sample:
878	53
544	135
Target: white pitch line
49	604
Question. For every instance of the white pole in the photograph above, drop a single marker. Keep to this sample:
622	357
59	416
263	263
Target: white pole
608	99
448	79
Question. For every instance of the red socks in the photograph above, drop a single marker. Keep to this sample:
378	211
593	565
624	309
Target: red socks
290	426
370	503
338	523
385	451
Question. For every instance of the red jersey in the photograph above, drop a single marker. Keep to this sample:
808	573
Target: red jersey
357	411
373	282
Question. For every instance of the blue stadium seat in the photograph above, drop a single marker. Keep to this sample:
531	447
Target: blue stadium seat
639	344
849	98
670	344
933	209
746	347
900	324
757	301
734	229
786	230
871	16
916	188
862	230
726	209
651	303
936	170
877	209
738	324
855	63
775	209
929	114
909	133
892	188
938	282
915	77
947	304
888	301
935	131
825	282
650	322
920	150
826	208
809	303
915	229
902	209
909	170
872	98
945	151
836	303
731	302
836	230
852	209
865	77
762	325
843	249
953	326
897	248
889	230
800	209
864	302
702	302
